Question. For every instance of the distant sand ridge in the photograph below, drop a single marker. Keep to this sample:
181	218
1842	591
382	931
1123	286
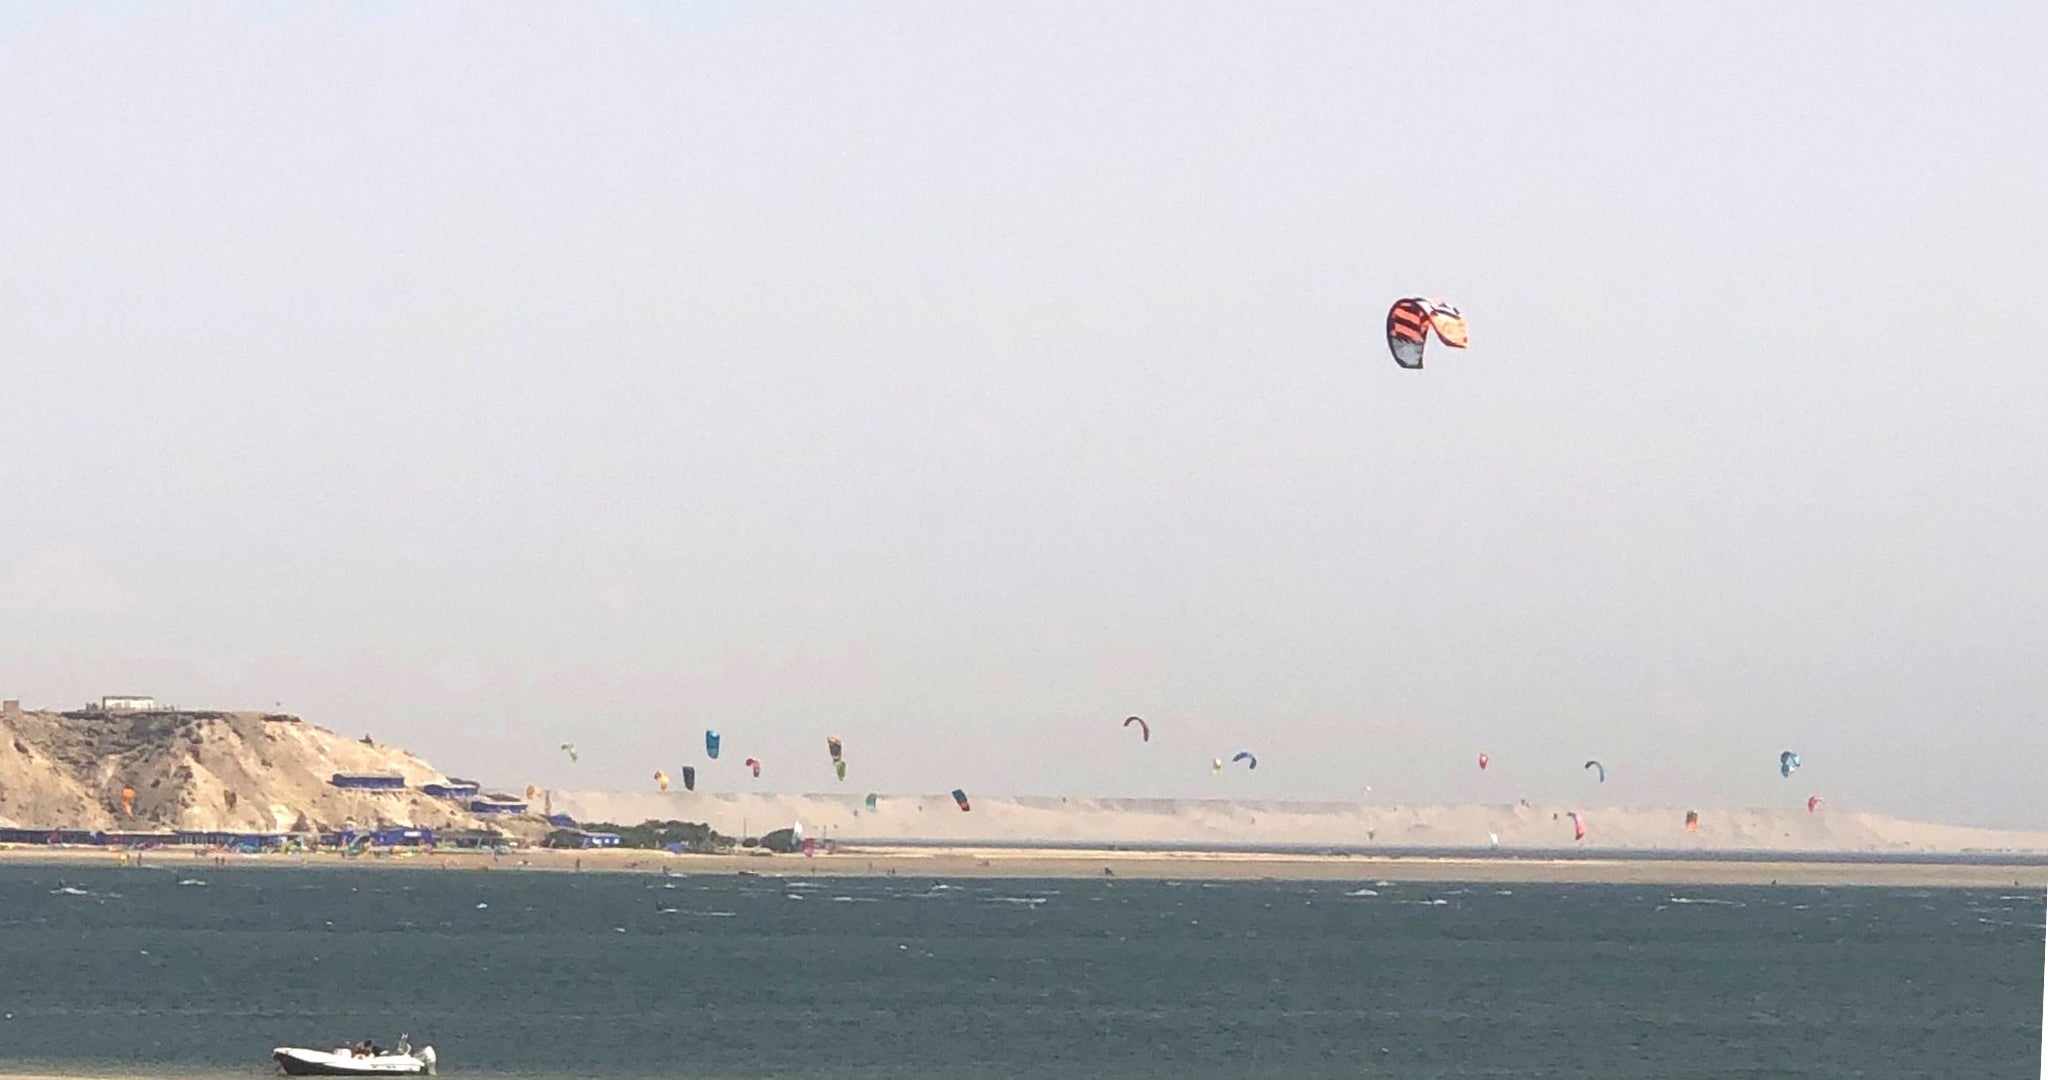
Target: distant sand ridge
258	772
1207	822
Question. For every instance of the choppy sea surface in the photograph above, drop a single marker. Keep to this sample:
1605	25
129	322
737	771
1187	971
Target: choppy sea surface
200	969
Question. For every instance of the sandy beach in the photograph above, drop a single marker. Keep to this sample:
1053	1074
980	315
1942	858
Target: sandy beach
1016	862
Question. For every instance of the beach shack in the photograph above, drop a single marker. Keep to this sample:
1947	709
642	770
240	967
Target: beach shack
578	838
141	839
229	840
470	839
368	781
50	836
453	788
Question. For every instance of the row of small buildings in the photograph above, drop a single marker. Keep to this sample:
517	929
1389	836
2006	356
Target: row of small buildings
472	796
344	839
467	792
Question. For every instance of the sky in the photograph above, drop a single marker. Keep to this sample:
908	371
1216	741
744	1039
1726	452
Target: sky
960	379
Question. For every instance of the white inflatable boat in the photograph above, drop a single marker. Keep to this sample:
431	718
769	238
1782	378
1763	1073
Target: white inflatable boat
404	1061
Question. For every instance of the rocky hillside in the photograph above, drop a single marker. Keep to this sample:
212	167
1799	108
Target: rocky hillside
238	771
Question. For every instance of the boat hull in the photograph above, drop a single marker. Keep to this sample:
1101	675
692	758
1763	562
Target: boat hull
300	1062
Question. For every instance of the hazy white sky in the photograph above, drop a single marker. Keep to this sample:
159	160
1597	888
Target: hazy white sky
957	379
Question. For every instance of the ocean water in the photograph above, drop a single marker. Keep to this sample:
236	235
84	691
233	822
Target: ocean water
612	975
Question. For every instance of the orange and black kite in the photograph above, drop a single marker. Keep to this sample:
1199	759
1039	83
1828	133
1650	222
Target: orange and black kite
1409	322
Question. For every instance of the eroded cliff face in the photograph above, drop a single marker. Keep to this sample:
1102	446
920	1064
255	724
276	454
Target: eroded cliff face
238	771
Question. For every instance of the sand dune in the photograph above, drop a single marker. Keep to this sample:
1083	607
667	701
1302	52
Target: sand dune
1206	822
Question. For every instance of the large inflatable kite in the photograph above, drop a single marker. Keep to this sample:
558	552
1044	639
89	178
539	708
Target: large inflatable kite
1411	319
